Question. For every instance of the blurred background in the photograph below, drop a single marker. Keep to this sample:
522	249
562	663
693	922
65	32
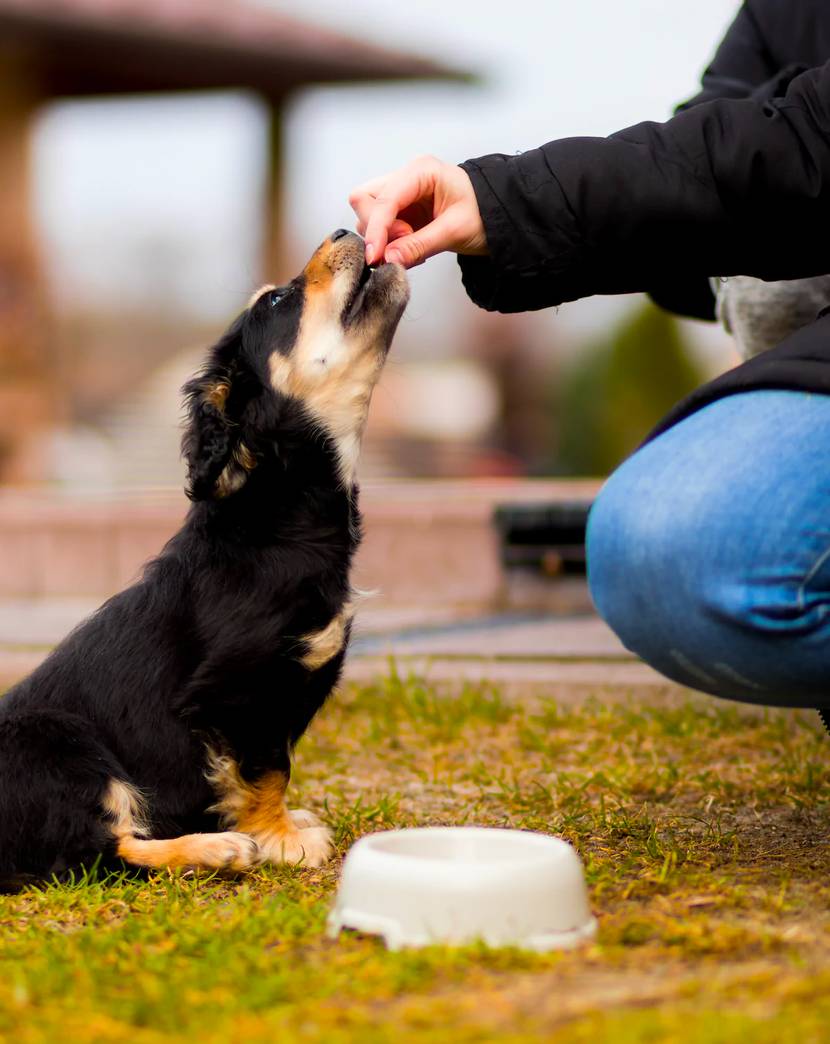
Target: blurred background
162	158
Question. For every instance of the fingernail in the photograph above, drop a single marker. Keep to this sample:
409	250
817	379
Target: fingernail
370	253
394	257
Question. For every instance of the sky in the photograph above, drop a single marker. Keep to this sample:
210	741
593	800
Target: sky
145	200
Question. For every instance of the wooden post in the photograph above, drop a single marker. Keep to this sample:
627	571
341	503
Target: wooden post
28	384
277	266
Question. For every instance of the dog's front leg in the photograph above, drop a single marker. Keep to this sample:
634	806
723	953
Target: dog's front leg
258	809
126	818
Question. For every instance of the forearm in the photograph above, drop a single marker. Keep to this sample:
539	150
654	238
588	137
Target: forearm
730	186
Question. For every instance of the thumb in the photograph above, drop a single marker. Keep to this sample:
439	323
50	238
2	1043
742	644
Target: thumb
415	248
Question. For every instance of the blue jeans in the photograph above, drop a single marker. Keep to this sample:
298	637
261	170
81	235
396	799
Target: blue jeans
709	550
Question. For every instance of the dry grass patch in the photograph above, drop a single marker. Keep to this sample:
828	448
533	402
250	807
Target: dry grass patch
704	829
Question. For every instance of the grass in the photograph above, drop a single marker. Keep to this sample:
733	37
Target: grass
703	827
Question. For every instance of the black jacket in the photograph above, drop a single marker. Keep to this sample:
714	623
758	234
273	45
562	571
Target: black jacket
737	182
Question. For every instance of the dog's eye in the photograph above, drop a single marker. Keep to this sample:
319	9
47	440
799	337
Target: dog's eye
276	297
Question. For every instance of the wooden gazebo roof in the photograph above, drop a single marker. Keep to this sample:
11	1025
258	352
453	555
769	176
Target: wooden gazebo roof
108	46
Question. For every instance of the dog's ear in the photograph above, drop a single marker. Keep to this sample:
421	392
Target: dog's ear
217	460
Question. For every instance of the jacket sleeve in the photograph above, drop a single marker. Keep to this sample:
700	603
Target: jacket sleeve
744	59
735	183
743	66
731	186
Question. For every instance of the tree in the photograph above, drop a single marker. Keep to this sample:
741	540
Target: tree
618	390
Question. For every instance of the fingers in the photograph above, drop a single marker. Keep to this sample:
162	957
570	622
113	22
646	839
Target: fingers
379	202
362	199
376	211
415	247
383	216
421	210
397	229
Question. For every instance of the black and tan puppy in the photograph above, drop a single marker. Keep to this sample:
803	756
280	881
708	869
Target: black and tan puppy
160	732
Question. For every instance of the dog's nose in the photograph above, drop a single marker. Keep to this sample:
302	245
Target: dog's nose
339	234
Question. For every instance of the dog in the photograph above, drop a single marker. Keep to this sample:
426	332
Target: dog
160	732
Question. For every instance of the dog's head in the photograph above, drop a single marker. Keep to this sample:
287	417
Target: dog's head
302	358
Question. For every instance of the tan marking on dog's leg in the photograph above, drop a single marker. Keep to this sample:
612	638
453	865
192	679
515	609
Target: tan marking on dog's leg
325	644
266	818
126	807
259	809
230	850
302	818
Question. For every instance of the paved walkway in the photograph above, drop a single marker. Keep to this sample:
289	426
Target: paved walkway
569	657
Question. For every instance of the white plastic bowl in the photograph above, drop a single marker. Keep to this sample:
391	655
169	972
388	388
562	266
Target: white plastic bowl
463	884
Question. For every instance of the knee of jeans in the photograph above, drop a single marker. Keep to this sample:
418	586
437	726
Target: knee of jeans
602	548
656	572
626	548
767	605
649	573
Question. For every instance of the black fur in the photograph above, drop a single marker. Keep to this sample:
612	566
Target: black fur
206	647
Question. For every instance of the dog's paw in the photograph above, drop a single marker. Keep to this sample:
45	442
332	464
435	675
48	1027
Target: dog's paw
228	851
303	818
310	846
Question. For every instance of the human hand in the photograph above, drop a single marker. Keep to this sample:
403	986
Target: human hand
417	211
